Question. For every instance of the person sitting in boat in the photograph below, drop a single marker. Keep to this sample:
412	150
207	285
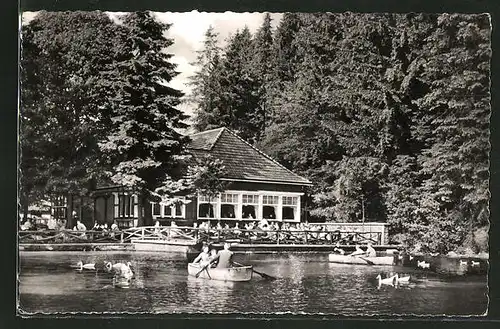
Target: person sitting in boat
358	251
370	252
213	258
224	257
204	257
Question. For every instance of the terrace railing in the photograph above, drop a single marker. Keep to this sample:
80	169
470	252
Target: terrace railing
244	236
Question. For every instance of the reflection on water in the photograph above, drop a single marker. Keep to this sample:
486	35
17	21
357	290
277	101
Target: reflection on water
305	284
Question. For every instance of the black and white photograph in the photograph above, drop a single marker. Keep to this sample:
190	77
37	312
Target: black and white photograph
253	163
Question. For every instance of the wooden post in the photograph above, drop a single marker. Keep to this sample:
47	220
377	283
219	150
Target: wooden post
70	220
121	237
142	233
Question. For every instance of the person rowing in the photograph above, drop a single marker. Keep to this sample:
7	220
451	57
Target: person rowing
213	258
370	252
224	257
204	257
358	251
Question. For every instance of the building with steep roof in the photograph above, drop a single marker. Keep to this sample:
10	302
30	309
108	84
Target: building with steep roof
257	187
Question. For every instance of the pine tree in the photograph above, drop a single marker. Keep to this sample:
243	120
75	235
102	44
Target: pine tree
144	145
206	84
262	66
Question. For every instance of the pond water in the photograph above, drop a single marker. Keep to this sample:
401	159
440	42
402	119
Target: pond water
306	283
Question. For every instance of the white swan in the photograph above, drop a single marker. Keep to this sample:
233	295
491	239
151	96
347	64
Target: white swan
402	279
388	281
463	263
475	264
82	266
121	269
423	264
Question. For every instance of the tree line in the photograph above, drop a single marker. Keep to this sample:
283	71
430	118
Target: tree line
388	115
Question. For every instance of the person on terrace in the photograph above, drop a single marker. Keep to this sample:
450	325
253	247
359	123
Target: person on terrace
263	224
96	226
80	226
114	226
338	250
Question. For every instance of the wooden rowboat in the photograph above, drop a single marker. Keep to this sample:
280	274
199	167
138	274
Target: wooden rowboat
243	273
346	259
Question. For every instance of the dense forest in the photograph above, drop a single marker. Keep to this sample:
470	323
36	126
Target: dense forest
388	115
96	108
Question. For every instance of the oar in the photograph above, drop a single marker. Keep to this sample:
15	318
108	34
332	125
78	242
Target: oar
369	262
203	269
366	260
264	275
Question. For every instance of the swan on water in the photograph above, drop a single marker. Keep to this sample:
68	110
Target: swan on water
411	257
82	266
463	263
423	264
402	279
121	269
475	264
388	281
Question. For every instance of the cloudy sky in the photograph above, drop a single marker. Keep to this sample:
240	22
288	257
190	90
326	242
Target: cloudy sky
188	31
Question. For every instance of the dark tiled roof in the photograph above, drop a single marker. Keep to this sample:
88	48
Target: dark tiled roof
242	160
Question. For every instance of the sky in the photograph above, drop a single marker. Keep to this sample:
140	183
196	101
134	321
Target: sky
188	31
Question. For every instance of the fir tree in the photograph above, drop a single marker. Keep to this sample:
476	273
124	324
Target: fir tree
144	145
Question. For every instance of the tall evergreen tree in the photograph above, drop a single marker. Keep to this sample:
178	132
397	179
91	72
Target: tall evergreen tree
206	83
262	66
144	145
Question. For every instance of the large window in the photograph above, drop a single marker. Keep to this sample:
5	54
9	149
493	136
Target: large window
176	210
60	207
250	204
125	206
289	207
229	204
206	207
270	206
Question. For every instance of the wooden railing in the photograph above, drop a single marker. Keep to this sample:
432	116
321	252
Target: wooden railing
254	236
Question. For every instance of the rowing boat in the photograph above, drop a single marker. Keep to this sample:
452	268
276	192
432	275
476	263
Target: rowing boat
243	273
346	259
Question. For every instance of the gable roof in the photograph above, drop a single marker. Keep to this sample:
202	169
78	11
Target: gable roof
242	160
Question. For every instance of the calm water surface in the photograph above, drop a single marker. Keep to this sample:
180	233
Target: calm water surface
306	283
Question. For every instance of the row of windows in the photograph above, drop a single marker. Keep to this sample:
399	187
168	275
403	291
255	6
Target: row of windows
229	207
173	211
250	199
